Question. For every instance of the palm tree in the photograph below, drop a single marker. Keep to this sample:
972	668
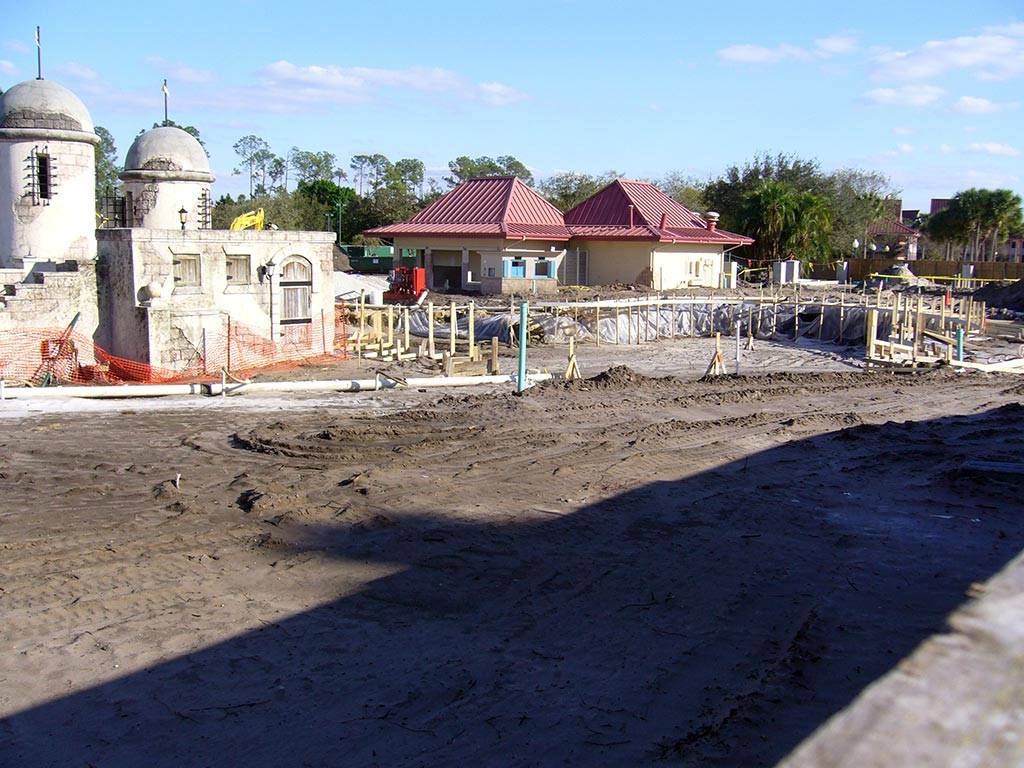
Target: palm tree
873	206
1002	214
767	214
812	224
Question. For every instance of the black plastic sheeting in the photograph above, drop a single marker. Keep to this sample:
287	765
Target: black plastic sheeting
639	322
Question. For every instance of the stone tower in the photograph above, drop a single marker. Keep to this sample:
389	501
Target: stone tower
167	171
47	177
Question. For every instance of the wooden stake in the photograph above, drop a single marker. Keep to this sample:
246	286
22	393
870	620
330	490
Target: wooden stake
430	329
871	332
454	326
572	370
597	323
391	326
717	366
362	324
494	356
472	330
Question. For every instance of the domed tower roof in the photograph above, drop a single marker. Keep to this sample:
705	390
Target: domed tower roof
167	154
44	108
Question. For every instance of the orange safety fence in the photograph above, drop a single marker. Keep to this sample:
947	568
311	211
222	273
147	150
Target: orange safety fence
46	356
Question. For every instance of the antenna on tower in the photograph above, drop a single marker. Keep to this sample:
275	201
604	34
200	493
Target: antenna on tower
39	55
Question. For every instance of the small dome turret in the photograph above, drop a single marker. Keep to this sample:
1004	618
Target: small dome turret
167	154
43	105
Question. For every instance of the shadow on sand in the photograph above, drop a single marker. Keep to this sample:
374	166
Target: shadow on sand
716	620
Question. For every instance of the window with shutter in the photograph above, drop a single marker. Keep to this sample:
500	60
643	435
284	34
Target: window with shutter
296	291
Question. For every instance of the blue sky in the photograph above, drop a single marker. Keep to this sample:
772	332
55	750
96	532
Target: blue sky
930	94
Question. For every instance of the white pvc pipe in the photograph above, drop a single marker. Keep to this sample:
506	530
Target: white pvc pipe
121	390
371	385
335	385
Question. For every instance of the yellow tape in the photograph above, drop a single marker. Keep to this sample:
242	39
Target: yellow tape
945	277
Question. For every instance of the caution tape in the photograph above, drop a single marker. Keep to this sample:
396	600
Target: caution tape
950	278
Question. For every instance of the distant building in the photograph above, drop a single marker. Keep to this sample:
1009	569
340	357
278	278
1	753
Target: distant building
496	235
890	235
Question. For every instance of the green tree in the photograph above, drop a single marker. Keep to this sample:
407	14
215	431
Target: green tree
107	169
314	166
568	189
411	173
811	228
1002	216
767	213
464	167
255	155
727	193
685	190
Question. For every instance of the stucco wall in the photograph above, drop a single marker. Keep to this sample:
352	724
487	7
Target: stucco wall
687	264
177	316
63	228
617	261
156	205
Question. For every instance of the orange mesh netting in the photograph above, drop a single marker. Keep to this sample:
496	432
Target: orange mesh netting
43	356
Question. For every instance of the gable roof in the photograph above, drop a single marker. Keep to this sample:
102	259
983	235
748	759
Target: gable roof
493	206
605	215
892	227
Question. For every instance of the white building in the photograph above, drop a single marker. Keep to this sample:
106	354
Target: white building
158	287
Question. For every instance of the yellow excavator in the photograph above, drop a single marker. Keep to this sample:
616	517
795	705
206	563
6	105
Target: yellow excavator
251	220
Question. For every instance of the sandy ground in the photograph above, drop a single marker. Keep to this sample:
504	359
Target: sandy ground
612	572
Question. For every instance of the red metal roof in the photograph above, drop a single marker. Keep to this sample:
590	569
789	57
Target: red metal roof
503	206
497	206
892	227
655	216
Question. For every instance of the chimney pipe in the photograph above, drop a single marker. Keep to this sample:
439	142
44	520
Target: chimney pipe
631	216
712	219
664	220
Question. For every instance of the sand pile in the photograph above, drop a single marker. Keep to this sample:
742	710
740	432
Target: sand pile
1006	296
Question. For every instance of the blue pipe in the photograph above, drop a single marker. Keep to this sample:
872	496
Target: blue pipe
524	331
960	345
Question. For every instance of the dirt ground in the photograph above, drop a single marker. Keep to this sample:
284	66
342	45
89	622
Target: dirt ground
618	571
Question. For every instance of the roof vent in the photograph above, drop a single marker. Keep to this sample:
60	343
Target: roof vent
664	219
712	219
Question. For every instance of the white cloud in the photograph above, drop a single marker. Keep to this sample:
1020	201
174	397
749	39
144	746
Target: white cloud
98	92
759	54
945	149
834	45
7	67
996	54
993	148
905	96
905	148
16	46
901	130
824	47
974	105
77	71
176	71
292	86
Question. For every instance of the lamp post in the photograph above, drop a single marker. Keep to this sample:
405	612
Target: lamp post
183	217
268	270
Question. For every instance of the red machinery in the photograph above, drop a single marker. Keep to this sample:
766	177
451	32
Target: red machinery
407	284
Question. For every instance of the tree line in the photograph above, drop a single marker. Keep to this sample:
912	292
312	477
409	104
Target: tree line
790	205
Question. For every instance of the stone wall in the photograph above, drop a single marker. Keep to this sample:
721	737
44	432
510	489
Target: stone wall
151	318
